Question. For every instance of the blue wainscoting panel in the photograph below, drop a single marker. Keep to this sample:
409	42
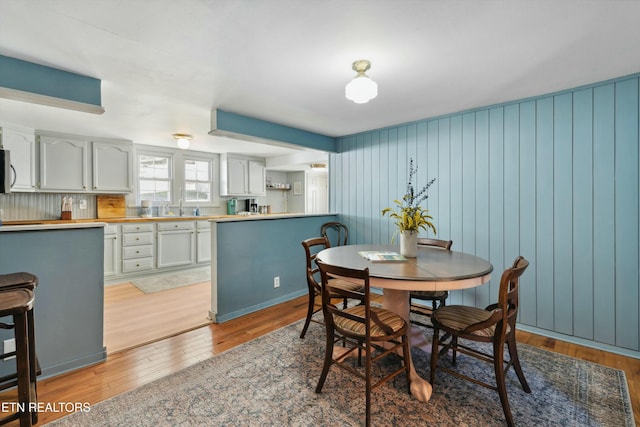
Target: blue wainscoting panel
496	199
533	127
554	178
581	211
626	216
562	218
604	214
468	207
482	294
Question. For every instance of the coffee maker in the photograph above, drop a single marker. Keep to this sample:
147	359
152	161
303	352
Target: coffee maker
251	205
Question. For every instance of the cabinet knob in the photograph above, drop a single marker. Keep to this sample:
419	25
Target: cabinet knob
137	252
137	238
137	265
176	226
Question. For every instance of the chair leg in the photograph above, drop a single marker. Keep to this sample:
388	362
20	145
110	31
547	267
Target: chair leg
498	366
23	369
434	354
513	354
367	371
328	359
312	300
33	362
454	349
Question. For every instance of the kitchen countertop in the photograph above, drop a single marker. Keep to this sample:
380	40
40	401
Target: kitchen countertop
75	223
40	225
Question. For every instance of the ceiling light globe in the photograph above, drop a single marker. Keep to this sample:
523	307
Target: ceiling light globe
183	143
361	89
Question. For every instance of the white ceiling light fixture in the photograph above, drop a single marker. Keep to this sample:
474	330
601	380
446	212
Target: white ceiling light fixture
361	89
182	140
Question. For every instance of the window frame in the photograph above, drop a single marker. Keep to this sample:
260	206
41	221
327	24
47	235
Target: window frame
171	178
199	158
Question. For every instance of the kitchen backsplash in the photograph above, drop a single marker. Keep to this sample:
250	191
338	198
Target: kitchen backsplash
25	206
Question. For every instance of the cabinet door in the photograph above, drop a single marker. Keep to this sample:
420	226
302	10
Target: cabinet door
63	164
112	166
204	245
110	255
21	146
176	248
236	177
256	178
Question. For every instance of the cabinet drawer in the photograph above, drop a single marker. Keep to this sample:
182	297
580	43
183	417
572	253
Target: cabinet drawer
139	264
137	227
178	225
131	239
203	224
111	229
143	251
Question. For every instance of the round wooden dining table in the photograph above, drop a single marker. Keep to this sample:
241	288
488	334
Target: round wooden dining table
434	269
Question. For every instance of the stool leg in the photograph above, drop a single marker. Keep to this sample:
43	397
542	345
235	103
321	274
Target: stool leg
24	370
33	363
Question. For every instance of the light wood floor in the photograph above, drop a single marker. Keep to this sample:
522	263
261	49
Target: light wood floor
132	318
126	370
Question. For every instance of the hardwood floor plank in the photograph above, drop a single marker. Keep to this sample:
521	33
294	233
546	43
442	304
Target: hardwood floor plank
133	318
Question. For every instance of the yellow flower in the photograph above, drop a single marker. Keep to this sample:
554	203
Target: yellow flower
410	216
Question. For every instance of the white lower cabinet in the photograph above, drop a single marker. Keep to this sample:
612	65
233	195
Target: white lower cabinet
142	248
203	241
111	246
176	244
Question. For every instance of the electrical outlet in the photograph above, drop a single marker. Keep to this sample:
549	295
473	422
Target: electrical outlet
83	204
276	282
9	346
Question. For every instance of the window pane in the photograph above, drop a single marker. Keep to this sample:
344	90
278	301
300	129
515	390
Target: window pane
197	180
203	175
154	177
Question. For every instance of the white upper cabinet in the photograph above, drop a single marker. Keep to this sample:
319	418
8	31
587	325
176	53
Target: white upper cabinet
21	144
112	167
257	178
79	164
63	164
241	176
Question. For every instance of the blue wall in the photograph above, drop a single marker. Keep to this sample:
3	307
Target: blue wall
250	253
69	299
553	178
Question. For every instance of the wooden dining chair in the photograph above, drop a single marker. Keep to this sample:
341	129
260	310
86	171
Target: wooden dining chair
496	324
337	229
311	248
374	331
437	298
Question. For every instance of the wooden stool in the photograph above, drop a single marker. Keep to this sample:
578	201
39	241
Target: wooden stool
18	303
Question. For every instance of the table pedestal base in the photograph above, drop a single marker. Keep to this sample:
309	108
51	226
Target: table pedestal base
398	302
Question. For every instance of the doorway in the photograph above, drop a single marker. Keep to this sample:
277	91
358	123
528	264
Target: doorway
316	192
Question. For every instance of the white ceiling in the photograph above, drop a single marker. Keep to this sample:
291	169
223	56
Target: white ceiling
164	64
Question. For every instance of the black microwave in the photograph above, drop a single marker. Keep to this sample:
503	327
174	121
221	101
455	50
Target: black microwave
5	172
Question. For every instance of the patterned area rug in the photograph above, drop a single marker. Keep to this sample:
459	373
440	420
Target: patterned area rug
270	381
162	282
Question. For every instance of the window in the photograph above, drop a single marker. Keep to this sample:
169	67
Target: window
197	180
154	177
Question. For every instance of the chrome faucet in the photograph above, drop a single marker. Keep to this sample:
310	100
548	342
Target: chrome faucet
181	208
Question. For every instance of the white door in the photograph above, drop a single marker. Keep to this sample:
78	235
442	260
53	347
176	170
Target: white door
317	192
